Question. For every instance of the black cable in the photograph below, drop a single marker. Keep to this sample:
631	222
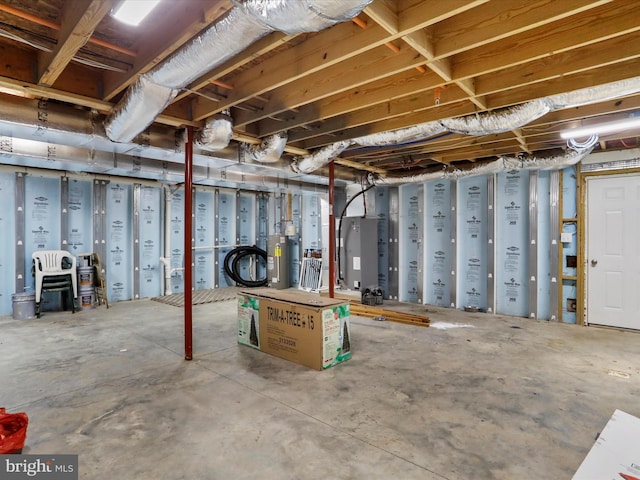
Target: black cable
344	210
234	257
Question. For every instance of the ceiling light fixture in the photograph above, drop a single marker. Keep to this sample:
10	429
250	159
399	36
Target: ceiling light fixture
132	12
620	125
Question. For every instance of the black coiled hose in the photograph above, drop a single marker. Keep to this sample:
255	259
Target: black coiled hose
232	263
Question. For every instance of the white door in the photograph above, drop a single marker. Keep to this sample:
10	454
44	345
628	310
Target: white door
613	251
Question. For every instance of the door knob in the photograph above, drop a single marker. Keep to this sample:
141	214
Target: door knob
594	263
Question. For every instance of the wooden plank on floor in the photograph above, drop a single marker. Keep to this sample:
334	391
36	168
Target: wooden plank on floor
392	315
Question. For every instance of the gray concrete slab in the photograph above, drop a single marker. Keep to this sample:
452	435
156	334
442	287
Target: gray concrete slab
499	398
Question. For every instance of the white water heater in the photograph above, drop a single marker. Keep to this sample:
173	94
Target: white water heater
278	262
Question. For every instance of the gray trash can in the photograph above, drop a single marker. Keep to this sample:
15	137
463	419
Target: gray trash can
24	305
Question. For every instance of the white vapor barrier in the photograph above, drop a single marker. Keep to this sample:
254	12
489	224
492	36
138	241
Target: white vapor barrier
226	233
204	254
438	242
410	242
176	241
382	214
472	242
80	234
543	245
119	262
41	222
293	242
512	243
247	230
7	242
150	247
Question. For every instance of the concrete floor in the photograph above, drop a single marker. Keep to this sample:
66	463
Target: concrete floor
504	398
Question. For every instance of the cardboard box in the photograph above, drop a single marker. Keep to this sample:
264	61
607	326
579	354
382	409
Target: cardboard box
614	455
300	327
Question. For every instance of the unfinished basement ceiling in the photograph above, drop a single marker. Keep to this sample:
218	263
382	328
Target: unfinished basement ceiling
395	65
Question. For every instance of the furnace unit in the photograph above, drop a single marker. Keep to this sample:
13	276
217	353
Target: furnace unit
359	252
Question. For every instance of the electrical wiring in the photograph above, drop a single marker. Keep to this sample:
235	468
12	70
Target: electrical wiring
588	143
44	48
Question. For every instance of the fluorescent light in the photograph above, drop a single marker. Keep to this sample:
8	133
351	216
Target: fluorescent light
132	12
618	126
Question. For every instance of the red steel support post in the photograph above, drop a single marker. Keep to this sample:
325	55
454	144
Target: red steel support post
332	233
188	243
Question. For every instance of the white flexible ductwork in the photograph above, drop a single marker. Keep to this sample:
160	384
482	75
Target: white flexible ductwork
601	93
501	164
409	134
300	16
268	151
216	133
320	158
499	121
476	124
241	27
137	110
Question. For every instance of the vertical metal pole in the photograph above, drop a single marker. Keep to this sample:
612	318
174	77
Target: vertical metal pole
533	244
555	228
136	240
64	213
453	231
188	245
491	244
332	233
20	232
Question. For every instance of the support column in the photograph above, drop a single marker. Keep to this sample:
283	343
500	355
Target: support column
188	246
332	232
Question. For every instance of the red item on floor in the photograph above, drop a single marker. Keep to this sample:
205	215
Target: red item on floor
13	431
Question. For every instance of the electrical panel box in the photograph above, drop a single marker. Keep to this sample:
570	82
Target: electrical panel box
359	252
278	262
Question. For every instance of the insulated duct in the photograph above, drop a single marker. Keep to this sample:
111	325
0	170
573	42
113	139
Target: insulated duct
410	134
501	164
499	121
216	133
601	93
137	110
476	124
269	151
242	26
320	158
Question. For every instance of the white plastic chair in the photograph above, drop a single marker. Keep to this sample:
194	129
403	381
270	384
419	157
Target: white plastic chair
48	264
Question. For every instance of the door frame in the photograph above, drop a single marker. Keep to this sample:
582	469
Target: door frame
583	209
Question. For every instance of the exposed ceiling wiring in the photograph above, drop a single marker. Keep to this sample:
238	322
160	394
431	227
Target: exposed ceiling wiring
45	48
